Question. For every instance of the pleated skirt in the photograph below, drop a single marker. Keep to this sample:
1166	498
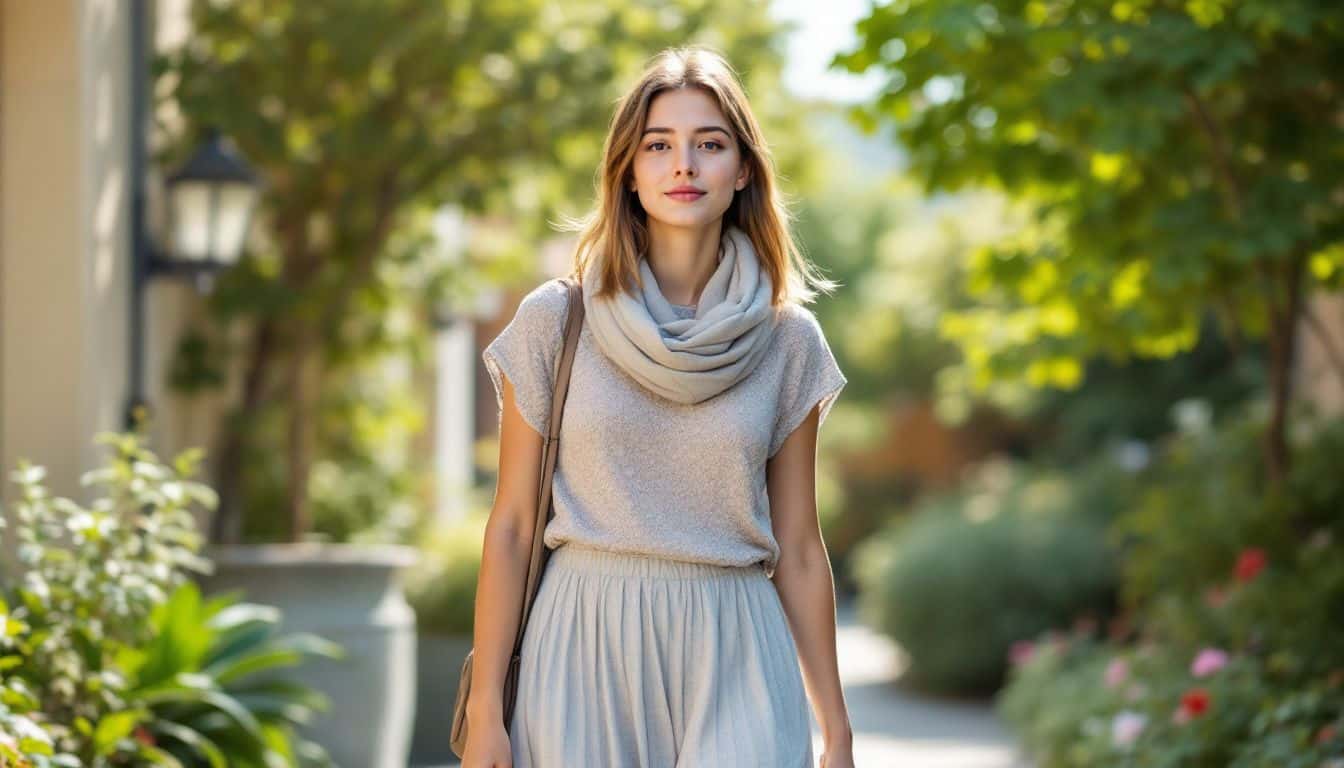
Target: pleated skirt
630	661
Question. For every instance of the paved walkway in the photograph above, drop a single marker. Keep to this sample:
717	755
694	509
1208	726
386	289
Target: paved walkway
894	728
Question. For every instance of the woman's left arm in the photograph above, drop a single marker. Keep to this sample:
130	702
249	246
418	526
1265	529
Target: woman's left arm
806	585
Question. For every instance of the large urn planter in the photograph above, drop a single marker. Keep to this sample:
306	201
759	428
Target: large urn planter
439	669
351	595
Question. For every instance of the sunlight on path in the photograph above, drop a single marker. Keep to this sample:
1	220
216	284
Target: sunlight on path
896	729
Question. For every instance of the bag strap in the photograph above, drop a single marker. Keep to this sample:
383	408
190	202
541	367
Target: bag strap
550	448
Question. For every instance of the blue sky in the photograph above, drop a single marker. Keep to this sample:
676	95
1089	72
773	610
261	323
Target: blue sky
822	31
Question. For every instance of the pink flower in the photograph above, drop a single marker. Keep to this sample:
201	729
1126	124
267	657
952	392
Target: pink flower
1116	672
1021	652
1126	727
1207	662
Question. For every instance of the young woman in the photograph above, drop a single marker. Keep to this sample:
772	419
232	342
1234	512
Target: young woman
688	578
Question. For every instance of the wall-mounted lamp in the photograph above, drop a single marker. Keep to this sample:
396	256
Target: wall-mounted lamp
211	199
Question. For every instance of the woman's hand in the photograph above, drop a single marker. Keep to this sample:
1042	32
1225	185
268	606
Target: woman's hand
838	757
487	747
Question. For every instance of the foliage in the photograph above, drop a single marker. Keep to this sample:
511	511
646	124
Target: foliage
97	648
1208	561
1183	160
1204	504
1076	702
442	586
971	573
93	578
211	680
366	118
1232	612
1133	400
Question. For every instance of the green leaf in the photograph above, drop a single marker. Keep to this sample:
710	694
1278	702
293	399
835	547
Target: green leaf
113	727
202	745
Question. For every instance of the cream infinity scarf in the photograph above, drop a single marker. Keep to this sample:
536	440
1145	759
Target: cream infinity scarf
688	360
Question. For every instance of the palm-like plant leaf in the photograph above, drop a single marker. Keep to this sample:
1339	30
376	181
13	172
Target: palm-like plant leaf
193	677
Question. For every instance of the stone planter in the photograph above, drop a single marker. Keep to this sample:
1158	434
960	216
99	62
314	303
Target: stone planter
438	671
351	595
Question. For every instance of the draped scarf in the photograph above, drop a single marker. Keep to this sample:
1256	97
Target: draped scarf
687	359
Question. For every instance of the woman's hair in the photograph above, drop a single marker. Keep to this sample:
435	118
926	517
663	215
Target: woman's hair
616	228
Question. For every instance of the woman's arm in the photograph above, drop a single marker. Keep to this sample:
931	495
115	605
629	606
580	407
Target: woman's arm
805	583
504	560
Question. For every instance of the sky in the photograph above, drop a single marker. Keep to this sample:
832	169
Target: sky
823	30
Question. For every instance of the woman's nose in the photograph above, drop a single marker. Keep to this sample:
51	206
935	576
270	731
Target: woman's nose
686	164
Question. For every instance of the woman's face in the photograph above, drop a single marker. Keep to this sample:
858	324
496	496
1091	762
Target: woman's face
687	143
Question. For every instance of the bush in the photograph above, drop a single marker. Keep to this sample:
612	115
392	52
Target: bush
1239	599
442	587
1211	558
105	658
974	572
1079	703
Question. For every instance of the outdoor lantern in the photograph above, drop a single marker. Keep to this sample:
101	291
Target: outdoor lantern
211	199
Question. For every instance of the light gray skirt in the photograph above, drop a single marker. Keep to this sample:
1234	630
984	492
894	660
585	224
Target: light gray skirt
631	661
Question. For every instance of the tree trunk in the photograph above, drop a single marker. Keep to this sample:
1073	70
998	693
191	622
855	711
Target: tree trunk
226	528
1283	331
301	447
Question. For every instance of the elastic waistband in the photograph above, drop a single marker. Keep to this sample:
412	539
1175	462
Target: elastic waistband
577	558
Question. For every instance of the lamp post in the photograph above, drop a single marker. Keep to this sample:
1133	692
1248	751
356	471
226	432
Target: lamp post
211	199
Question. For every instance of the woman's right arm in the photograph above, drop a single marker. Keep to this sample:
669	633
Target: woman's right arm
504	561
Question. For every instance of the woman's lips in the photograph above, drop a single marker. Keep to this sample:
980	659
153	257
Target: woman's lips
686	196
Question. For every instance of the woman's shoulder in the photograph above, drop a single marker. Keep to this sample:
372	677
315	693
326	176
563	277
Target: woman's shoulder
546	304
798	325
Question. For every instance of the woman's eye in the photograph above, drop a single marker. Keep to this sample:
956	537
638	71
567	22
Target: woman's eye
656	144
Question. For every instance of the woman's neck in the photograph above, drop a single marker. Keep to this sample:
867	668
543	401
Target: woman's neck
683	260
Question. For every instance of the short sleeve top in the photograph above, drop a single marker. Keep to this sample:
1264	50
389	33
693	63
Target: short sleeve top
641	474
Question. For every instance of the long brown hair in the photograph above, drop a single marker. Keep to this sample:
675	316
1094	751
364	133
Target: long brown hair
615	230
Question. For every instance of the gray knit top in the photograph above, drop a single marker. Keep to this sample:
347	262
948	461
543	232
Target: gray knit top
641	474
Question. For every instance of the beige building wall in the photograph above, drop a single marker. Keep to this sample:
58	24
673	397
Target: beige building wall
65	242
1320	379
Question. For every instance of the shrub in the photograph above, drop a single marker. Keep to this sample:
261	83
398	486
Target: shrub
1238	596
974	572
101	656
1078	703
1211	558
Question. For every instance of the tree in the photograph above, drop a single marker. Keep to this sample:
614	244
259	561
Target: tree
1182	159
360	113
